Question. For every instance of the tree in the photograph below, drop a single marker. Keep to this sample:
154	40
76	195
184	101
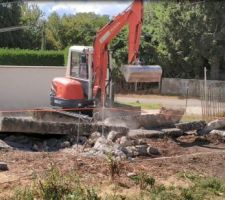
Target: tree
55	32
184	37
79	29
31	16
10	13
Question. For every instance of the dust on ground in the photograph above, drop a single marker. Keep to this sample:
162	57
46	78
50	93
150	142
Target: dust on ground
192	105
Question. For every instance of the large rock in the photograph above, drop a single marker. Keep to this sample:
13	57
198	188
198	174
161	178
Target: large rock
213	125
104	147
19	141
22	139
141	150
65	144
172	132
217	135
113	135
218	132
52	142
190	126
140	133
93	138
160	133
165	118
124	141
102	143
4	146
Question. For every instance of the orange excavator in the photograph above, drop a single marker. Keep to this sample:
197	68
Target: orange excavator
88	80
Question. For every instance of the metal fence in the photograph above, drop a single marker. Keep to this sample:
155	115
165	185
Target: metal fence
212	101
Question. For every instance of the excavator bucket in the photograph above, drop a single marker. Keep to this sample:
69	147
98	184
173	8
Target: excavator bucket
142	73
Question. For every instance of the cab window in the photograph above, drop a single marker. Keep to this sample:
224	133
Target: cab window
79	65
74	64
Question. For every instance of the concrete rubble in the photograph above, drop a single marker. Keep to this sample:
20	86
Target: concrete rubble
157	133
29	126
122	147
4	145
165	118
140	133
213	125
125	136
216	135
172	132
190	126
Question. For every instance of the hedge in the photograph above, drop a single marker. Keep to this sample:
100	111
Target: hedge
31	57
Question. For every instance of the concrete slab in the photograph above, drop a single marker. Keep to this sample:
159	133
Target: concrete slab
29	126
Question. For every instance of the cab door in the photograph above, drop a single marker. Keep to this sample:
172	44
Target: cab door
79	69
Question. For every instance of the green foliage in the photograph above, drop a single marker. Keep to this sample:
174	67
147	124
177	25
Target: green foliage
79	29
184	38
143	180
31	16
114	166
56	186
163	193
180	36
23	194
9	17
210	184
31	57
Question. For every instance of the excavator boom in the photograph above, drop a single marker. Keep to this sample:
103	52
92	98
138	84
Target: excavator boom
133	17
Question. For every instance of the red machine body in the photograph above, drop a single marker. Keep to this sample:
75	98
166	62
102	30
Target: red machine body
68	88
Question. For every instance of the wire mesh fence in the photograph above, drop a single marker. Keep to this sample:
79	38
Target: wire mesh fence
212	101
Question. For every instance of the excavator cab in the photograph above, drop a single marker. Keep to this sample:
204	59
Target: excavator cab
75	90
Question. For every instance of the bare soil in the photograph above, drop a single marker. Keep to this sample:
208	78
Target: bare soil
187	153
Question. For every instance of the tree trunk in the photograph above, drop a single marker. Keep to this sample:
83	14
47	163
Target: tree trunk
215	68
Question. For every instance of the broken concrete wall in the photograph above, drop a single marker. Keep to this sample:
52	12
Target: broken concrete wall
165	118
29	126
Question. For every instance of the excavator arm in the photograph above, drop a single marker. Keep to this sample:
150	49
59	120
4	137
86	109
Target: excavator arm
133	17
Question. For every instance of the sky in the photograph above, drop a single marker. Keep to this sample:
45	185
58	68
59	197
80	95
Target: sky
110	8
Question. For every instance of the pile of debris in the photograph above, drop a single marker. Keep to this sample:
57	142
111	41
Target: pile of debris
124	137
119	145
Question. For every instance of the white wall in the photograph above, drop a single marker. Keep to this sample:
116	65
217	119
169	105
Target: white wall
26	87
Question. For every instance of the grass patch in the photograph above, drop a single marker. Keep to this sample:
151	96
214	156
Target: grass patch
147	106
57	186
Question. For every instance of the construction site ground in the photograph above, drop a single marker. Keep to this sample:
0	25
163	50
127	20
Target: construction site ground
188	153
